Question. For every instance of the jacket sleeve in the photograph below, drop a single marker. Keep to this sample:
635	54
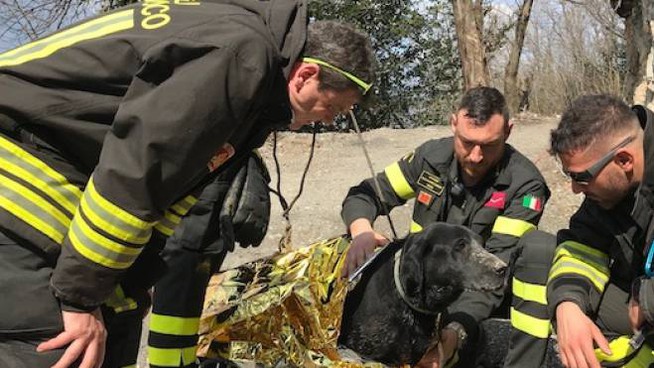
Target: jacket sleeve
580	269
646	299
397	184
181	107
522	215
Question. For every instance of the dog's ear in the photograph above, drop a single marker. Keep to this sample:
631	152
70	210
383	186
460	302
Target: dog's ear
412	267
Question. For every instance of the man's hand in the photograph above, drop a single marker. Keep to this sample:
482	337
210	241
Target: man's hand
364	242
636	316
85	335
576	333
437	356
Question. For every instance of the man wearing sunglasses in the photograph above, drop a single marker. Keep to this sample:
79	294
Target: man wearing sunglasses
474	179
606	150
110	128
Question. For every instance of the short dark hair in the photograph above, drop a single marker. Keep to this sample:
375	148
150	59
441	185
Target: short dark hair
481	103
589	118
342	45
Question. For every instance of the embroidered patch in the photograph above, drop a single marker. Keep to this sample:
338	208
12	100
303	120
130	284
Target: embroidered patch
497	200
424	198
431	183
221	156
533	203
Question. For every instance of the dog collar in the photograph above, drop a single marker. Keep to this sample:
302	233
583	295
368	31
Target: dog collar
400	288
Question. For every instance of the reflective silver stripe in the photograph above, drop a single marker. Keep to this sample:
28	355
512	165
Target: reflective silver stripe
168	223
92	29
22	164
184	205
98	248
115	221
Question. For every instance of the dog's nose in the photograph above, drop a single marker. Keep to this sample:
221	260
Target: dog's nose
504	273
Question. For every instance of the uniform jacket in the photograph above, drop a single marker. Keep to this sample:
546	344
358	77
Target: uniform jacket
504	206
126	114
607	245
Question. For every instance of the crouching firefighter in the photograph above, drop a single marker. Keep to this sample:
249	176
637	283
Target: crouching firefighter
600	292
233	208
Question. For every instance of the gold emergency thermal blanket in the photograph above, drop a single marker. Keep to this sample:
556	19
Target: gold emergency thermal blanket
280	311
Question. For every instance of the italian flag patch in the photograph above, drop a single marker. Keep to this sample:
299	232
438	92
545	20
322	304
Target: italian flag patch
532	202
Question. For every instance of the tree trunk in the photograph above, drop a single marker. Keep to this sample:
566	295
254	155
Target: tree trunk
639	81
648	16
468	20
512	91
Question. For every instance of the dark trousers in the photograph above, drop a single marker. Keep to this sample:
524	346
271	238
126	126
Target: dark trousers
524	302
30	314
529	316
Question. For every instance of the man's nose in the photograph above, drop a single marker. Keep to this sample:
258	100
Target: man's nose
476	155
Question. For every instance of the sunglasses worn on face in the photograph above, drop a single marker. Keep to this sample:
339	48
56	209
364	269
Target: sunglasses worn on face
584	177
358	81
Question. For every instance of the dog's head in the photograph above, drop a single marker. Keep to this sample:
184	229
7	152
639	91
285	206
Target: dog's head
442	261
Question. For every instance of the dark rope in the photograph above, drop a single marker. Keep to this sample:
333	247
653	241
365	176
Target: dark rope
285	241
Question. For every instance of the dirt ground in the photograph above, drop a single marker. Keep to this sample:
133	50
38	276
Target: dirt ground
339	163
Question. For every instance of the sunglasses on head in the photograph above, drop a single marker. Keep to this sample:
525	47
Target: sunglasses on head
358	81
584	177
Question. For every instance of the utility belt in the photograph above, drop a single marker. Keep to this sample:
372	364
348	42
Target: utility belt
627	352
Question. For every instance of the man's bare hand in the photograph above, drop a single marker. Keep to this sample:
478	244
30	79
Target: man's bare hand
85	335
364	242
437	356
576	334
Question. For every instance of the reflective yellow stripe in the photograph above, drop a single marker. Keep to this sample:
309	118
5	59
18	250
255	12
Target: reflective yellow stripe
107	258
398	181
96	28
415	227
99	248
576	258
168	223
530	325
577	267
171	357
32	220
530	292
174	325
510	226
184	205
31	208
112	219
24	165
573	249
119	302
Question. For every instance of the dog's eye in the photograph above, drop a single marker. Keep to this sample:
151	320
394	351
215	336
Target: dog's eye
460	245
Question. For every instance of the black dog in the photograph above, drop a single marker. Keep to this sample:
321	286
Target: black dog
392	319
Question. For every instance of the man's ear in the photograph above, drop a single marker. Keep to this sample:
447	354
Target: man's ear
625	160
301	73
412	269
453	122
507	129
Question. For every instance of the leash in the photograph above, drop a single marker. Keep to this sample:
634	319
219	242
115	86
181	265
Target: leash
285	242
379	193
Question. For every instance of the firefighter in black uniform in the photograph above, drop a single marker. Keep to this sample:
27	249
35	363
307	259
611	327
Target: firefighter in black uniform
235	208
477	180
600	290
108	128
